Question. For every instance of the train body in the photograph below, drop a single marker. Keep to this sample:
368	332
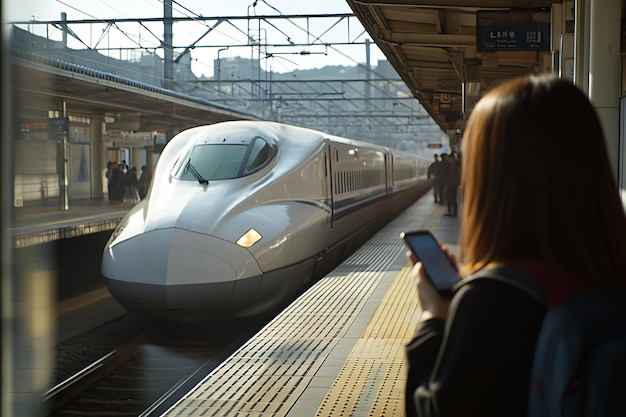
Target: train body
242	215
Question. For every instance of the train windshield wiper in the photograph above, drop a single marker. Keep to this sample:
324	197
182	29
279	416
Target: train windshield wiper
195	173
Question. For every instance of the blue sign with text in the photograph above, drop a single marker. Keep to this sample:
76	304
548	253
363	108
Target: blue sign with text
513	38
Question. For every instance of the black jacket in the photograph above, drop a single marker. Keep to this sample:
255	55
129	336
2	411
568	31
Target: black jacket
476	362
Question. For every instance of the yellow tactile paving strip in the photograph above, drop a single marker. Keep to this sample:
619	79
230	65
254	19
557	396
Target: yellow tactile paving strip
371	383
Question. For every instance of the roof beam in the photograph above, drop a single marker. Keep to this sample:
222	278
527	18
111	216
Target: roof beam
432	39
458	3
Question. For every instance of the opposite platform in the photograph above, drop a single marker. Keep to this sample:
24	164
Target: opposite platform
338	350
33	225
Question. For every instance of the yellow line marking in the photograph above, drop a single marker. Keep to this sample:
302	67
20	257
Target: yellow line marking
373	377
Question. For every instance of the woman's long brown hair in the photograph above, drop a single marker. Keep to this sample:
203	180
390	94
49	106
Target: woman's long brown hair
537	183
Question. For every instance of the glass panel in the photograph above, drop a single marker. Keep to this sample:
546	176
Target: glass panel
259	155
213	162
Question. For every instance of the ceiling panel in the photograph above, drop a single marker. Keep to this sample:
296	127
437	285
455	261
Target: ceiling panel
432	45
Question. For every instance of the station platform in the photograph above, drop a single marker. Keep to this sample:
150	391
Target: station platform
337	350
37	224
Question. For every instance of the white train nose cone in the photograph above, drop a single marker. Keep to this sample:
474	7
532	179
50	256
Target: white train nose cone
166	271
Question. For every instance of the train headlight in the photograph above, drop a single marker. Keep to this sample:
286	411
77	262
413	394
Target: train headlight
249	238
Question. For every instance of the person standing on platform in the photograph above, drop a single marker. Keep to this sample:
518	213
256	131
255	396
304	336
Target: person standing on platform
452	187
433	178
560	223
124	166
132	186
443	175
144	181
109	174
118	182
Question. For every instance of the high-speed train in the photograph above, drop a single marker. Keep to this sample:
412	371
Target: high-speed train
243	215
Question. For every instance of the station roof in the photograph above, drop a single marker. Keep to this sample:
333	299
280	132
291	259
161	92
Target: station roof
40	85
432	44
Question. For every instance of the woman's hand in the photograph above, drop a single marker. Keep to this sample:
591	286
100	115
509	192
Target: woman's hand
433	305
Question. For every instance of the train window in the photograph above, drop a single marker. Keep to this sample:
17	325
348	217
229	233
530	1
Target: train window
223	161
211	162
260	152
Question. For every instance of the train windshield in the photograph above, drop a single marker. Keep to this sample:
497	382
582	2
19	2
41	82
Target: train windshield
223	161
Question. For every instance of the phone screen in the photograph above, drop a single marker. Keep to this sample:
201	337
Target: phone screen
439	269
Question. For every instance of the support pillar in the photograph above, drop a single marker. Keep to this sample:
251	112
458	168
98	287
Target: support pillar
581	44
605	71
95	146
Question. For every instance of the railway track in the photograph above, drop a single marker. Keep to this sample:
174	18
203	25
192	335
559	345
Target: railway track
145	376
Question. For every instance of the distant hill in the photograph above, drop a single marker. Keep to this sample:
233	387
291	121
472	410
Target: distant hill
329	72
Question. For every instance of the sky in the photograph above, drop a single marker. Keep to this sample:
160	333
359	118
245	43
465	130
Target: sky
223	40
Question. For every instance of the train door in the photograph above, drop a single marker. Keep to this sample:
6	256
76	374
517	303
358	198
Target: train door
329	183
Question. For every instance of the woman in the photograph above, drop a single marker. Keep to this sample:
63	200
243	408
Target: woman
539	196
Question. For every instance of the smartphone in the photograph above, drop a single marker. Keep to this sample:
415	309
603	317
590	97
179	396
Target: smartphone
439	268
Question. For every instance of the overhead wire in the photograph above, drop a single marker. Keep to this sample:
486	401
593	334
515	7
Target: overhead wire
276	59
309	33
129	36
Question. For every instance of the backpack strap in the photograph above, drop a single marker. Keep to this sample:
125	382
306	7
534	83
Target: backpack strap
512	277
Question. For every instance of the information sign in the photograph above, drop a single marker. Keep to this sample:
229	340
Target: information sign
512	31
